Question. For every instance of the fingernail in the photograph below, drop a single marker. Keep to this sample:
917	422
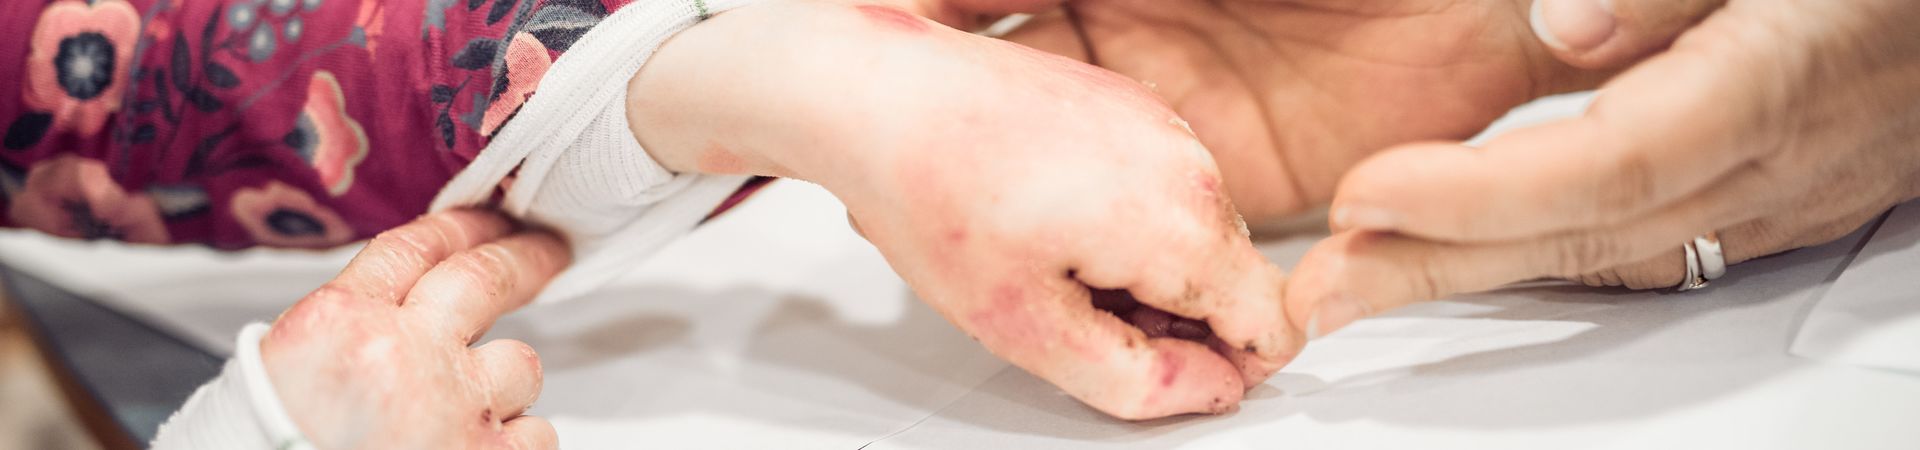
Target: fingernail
1333	314
1573	25
1365	218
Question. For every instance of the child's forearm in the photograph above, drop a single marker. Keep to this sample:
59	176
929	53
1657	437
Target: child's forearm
792	89
1002	183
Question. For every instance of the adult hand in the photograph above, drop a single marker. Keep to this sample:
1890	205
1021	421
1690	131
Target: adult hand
380	357
1780	124
1614	33
1289	94
1009	187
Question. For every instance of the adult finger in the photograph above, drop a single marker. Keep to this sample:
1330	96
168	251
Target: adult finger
1358	273
395	259
469	290
1050	328
530	433
1659	133
1740	243
1599	34
512	371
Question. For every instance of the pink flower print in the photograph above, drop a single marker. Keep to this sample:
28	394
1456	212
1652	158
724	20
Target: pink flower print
79	60
74	197
527	63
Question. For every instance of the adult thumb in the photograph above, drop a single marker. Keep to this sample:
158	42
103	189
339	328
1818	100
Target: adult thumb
1605	34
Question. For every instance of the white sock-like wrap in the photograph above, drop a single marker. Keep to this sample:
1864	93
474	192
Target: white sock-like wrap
581	172
237	410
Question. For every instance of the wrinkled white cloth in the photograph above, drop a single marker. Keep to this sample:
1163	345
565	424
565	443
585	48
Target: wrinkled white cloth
581	172
237	410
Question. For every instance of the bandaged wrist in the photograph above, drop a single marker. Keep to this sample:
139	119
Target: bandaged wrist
578	168
237	410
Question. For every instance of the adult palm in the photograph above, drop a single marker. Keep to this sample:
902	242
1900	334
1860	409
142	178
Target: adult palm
1289	94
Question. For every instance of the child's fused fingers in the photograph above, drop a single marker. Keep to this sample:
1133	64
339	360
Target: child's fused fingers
530	433
1051	329
472	288
1158	323
394	260
1199	266
1251	317
1240	303
512	371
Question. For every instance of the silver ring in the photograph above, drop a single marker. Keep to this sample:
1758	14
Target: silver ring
1705	261
1713	262
1693	279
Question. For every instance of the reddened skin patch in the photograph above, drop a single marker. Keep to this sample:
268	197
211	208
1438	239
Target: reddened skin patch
718	160
1170	365
893	18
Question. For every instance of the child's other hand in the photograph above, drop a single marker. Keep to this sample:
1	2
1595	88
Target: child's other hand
1005	185
383	355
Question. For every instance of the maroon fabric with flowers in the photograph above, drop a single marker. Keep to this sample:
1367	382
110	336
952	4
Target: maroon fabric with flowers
298	123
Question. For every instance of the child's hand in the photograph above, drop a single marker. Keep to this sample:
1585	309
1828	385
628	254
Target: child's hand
1002	183
381	356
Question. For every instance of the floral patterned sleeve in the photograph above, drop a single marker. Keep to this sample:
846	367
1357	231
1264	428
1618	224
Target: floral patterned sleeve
233	123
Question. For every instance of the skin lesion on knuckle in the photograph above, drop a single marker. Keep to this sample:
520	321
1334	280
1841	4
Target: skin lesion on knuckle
892	19
400	242
489	265
330	298
526	353
391	255
1214	209
1194	295
365	344
533	361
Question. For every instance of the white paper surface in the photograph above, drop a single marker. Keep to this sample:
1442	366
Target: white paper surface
1544	367
1871	315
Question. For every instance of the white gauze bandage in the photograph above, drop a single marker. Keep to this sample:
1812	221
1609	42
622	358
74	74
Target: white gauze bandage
581	172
